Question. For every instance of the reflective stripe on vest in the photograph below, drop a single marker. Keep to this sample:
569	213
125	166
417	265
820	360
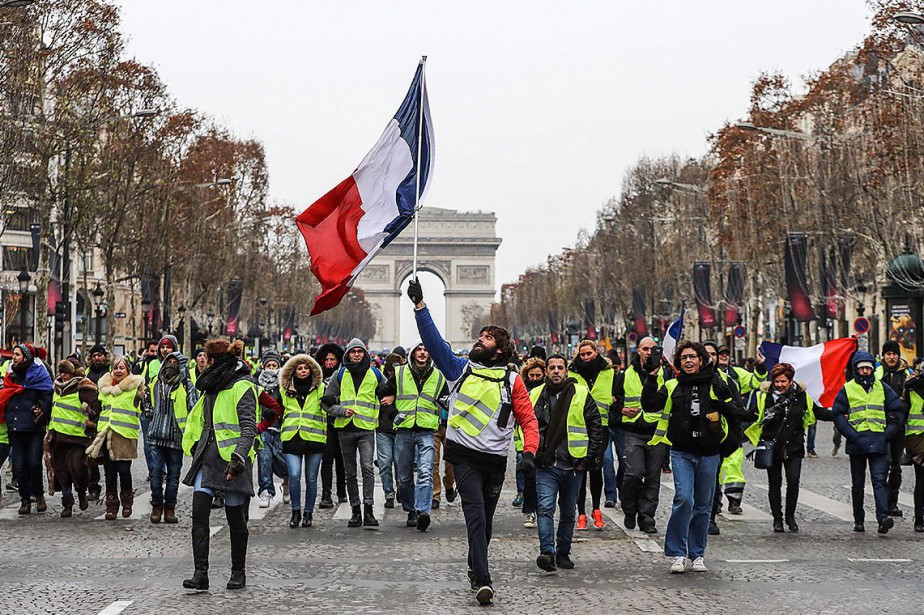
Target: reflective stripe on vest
120	414
577	427
420	409
477	400
915	414
602	391
224	421
177	402
365	404
755	431
660	435
67	415
867	410
308	421
632	394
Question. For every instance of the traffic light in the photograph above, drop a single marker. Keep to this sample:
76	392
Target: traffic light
62	312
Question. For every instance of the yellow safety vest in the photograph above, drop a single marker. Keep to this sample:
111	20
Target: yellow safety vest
660	434
915	423
577	427
418	408
365	404
755	431
151	370
177	402
632	395
4	434
602	391
308	420
477	400
67	415
867	410
193	376
225	421
747	381
120	414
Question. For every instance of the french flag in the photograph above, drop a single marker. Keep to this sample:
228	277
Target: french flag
347	227
820	367
673	335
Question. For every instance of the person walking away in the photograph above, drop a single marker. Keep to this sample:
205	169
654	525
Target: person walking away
868	414
221	437
74	407
893	371
116	442
695	410
354	395
418	387
486	399
641	483
784	411
329	357
570	432
304	433
25	402
167	405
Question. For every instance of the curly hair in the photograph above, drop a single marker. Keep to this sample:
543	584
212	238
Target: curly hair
219	348
690	345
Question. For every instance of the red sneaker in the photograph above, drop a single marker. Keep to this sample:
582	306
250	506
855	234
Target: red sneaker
582	522
598	520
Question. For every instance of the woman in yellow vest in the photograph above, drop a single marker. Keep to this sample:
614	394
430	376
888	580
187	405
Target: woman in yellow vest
784	413
75	405
221	436
303	432
116	443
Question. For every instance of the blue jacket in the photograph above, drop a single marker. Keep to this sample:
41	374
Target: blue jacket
869	442
38	392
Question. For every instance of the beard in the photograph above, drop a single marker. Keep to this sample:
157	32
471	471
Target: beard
481	354
99	366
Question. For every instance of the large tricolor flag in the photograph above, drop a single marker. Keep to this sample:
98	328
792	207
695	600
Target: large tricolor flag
820	367
673	335
347	227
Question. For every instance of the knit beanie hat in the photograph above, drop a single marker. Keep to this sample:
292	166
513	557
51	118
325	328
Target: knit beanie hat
270	354
891	346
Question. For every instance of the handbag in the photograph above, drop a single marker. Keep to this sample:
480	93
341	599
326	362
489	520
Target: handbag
763	454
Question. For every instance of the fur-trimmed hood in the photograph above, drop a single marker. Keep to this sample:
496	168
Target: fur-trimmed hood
129	383
288	371
74	384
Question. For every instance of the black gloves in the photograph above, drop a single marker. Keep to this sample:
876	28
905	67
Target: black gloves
527	464
414	291
236	466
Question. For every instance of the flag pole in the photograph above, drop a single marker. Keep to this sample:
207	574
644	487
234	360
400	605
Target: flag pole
420	129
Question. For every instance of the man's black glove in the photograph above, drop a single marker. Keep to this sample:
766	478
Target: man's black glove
527	464
414	291
236	466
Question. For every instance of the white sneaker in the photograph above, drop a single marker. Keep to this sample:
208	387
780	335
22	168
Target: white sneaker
285	495
530	521
679	565
265	500
699	565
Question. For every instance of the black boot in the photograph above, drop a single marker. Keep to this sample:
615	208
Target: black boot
296	518
919	524
237	530
369	519
326	501
791	523
202	506
357	519
778	525
307	521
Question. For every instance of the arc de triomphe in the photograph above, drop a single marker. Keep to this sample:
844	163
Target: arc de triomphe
456	246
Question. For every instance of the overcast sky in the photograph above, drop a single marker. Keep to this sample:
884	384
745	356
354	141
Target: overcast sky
539	107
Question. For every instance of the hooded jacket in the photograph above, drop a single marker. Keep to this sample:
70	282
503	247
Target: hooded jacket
868	442
357	371
37	392
288	388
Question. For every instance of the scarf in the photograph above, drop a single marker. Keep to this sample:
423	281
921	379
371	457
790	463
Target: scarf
66	388
221	374
303	386
589	370
358	370
558	419
269	379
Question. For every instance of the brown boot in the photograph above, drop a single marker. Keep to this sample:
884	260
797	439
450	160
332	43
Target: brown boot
157	510
25	506
170	514
68	502
128	498
112	506
40	504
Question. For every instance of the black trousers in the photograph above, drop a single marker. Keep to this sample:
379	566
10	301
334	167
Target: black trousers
894	482
918	493
332	456
596	489
793	469
479	492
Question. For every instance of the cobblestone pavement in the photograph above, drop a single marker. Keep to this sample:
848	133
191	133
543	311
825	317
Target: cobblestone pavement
85	565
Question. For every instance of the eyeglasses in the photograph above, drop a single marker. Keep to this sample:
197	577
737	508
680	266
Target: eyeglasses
689	357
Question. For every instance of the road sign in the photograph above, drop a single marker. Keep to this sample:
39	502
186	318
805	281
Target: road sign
632	337
740	332
861	325
120	314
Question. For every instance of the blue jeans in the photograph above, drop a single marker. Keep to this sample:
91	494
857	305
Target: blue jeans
145	424
562	485
694	488
411	445
613	472
173	459
385	460
810	438
270	460
312	466
231	499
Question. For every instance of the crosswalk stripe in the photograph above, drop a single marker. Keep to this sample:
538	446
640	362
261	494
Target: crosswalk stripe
904	499
641	539
748	512
836	509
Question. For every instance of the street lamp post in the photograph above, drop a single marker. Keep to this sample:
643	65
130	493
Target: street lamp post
98	295
145	313
24	278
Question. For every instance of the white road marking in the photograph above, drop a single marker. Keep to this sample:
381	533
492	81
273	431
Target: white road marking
116	607
641	539
345	511
836	509
756	561
257	513
904	499
871	559
748	512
